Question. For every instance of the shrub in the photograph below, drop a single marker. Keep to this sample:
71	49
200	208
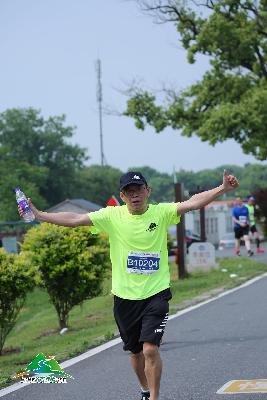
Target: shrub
72	264
16	280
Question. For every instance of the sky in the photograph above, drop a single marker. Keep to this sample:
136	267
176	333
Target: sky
48	54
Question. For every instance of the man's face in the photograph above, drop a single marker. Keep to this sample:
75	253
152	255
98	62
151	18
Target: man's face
135	196
239	202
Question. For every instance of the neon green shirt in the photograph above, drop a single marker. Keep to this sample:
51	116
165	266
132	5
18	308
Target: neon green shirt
138	248
251	213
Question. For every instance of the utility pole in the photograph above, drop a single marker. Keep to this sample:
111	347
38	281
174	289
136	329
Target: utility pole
180	232
202	216
99	100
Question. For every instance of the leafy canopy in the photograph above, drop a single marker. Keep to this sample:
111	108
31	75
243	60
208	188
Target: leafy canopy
72	264
36	155
98	183
230	101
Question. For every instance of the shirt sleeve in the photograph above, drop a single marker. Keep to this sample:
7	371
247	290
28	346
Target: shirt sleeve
100	220
169	211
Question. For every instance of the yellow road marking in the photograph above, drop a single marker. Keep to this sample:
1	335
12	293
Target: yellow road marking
244	386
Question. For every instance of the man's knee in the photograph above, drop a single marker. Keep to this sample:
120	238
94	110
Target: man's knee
150	350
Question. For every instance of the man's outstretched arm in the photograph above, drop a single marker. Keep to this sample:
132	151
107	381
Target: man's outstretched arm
61	218
202	199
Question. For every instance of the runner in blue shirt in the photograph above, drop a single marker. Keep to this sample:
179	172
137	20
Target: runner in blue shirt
240	216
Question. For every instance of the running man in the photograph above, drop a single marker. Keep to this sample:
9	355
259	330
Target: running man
252	223
241	226
140	272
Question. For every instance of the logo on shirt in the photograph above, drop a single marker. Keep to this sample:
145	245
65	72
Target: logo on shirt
152	227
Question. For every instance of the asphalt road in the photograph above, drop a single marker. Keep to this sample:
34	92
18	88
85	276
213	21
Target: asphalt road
223	340
258	257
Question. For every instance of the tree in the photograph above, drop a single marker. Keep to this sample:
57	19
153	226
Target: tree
26	137
148	172
253	178
230	101
98	183
72	264
17	279
22	174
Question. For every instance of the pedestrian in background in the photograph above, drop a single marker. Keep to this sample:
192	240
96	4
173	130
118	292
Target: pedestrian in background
240	216
252	223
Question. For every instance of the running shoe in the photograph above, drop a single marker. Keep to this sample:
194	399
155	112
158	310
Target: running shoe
260	250
250	253
145	395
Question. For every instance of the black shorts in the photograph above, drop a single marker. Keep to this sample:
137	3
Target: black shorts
142	321
253	229
241	231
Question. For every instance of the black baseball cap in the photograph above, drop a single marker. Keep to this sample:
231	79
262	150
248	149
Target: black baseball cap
132	177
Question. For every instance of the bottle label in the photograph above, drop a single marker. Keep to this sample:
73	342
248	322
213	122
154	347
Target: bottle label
24	206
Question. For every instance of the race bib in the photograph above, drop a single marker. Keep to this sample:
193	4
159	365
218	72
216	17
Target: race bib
242	218
139	262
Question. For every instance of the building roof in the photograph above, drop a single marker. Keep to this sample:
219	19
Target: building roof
84	204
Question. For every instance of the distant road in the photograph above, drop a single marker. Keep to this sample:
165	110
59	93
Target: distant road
230	253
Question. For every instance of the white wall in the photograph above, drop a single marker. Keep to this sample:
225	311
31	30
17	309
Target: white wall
217	220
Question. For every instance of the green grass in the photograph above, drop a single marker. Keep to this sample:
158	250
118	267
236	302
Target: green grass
92	323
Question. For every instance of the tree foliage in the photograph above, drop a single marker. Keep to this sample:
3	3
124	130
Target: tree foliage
98	183
17	279
36	155
230	101
19	173
252	177
72	264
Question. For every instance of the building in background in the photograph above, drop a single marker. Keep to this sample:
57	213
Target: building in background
79	206
218	220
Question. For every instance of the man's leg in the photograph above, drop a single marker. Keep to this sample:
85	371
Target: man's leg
247	244
153	368
138	364
237	247
256	236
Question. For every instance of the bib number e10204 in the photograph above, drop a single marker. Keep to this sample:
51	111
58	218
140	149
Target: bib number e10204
139	262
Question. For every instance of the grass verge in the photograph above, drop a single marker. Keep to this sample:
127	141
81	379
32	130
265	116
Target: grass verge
92	323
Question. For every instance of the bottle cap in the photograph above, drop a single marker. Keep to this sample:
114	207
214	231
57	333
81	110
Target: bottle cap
16	189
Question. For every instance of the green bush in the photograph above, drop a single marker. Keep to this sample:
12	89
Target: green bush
16	280
72	264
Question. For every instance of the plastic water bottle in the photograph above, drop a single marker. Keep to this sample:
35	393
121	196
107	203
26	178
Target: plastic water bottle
22	201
